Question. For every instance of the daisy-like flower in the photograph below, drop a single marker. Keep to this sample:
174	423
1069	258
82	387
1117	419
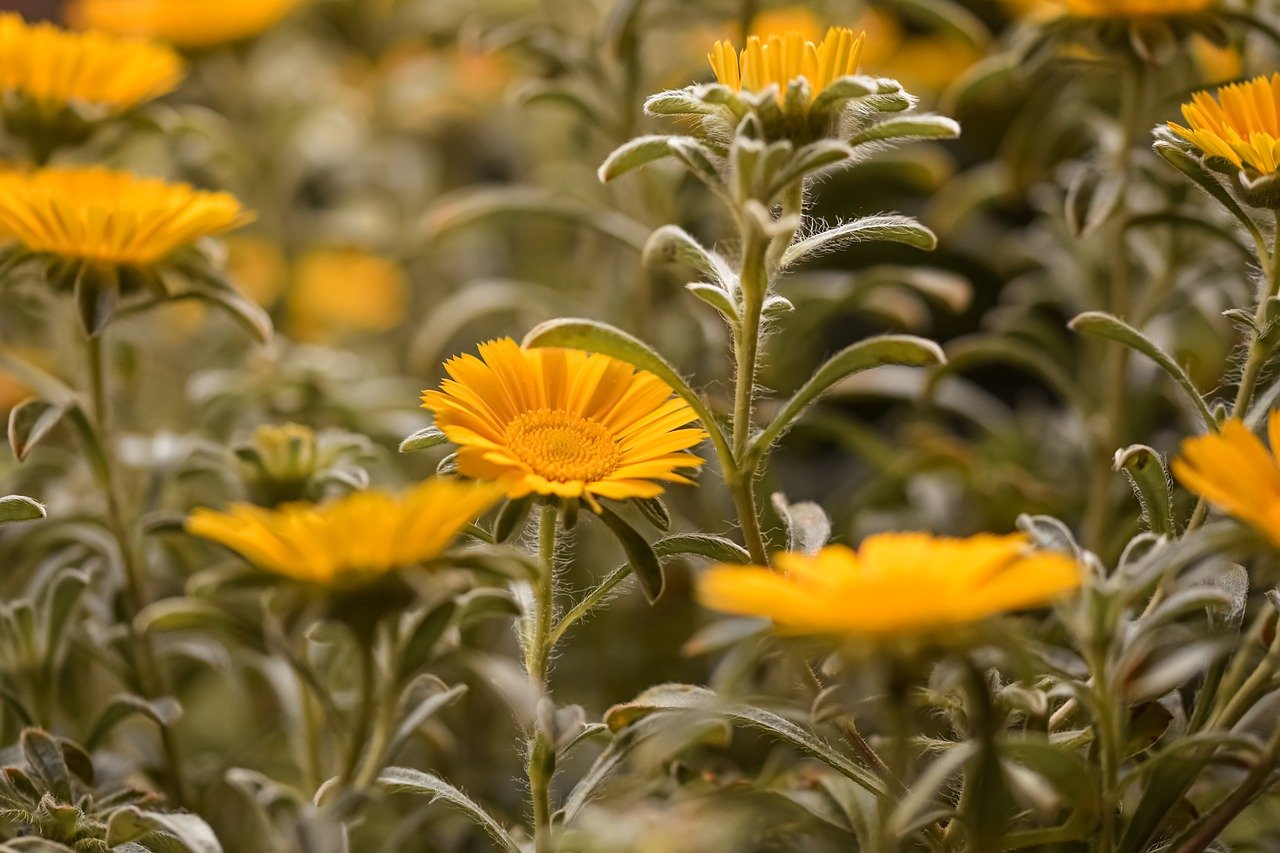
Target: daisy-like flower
353	540
1234	471
54	68
894	585
563	422
778	60
1241	124
109	218
186	23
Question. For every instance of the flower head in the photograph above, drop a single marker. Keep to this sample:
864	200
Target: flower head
563	422
336	291
778	60
895	584
1234	472
110	218
1136	8
54	68
355	539
186	23
1241	124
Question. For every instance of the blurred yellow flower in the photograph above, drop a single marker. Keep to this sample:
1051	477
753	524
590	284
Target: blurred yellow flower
55	68
1233	471
258	267
788	19
109	217
186	23
356	538
563	422
1242	124
895	584
779	59
925	62
345	290
1136	8
12	392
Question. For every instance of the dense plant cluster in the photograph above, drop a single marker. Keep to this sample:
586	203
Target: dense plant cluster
630	425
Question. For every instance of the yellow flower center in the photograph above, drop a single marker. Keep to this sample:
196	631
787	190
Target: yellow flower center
561	446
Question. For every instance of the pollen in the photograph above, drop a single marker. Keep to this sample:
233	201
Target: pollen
563	447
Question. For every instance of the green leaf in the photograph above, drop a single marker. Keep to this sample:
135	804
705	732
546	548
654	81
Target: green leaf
677	102
29	422
845	89
668	698
405	779
671	244
44	758
191	614
872	352
19	508
1145	471
717	298
655	512
1104	325
908	127
162	712
889	228
247	314
703	545
97	293
640	554
130	823
634	154
809	159
421	640
808	527
511	518
599	337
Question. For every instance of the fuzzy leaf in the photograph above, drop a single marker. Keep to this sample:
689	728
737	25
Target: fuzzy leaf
671	244
632	155
887	228
640	554
19	508
29	422
423	439
1104	325
906	128
412	781
1144	468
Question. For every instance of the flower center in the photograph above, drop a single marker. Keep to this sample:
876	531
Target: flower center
562	447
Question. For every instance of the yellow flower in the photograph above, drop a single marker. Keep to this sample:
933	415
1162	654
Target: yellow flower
895	584
345	290
1241	124
357	538
563	422
258	268
55	68
109	217
1136	8
787	19
779	59
186	23
1233	471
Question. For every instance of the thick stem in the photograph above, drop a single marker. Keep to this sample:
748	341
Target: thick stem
147	670
541	752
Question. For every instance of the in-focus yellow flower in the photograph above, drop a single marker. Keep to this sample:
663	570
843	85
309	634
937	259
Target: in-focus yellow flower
563	422
1241	124
106	217
1233	471
186	23
780	59
1136	8
345	290
354	539
55	68
895	584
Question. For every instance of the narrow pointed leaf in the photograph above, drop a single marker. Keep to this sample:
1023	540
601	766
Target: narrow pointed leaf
423	439
29	422
1145	470
19	508
640	554
405	779
908	127
1105	325
885	228
873	352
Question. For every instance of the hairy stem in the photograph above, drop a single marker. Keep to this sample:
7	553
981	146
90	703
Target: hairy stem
541	765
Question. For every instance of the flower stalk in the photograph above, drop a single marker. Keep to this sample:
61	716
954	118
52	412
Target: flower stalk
541	752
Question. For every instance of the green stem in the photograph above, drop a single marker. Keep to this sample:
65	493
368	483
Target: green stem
541	752
364	714
148	673
742	481
1217	819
